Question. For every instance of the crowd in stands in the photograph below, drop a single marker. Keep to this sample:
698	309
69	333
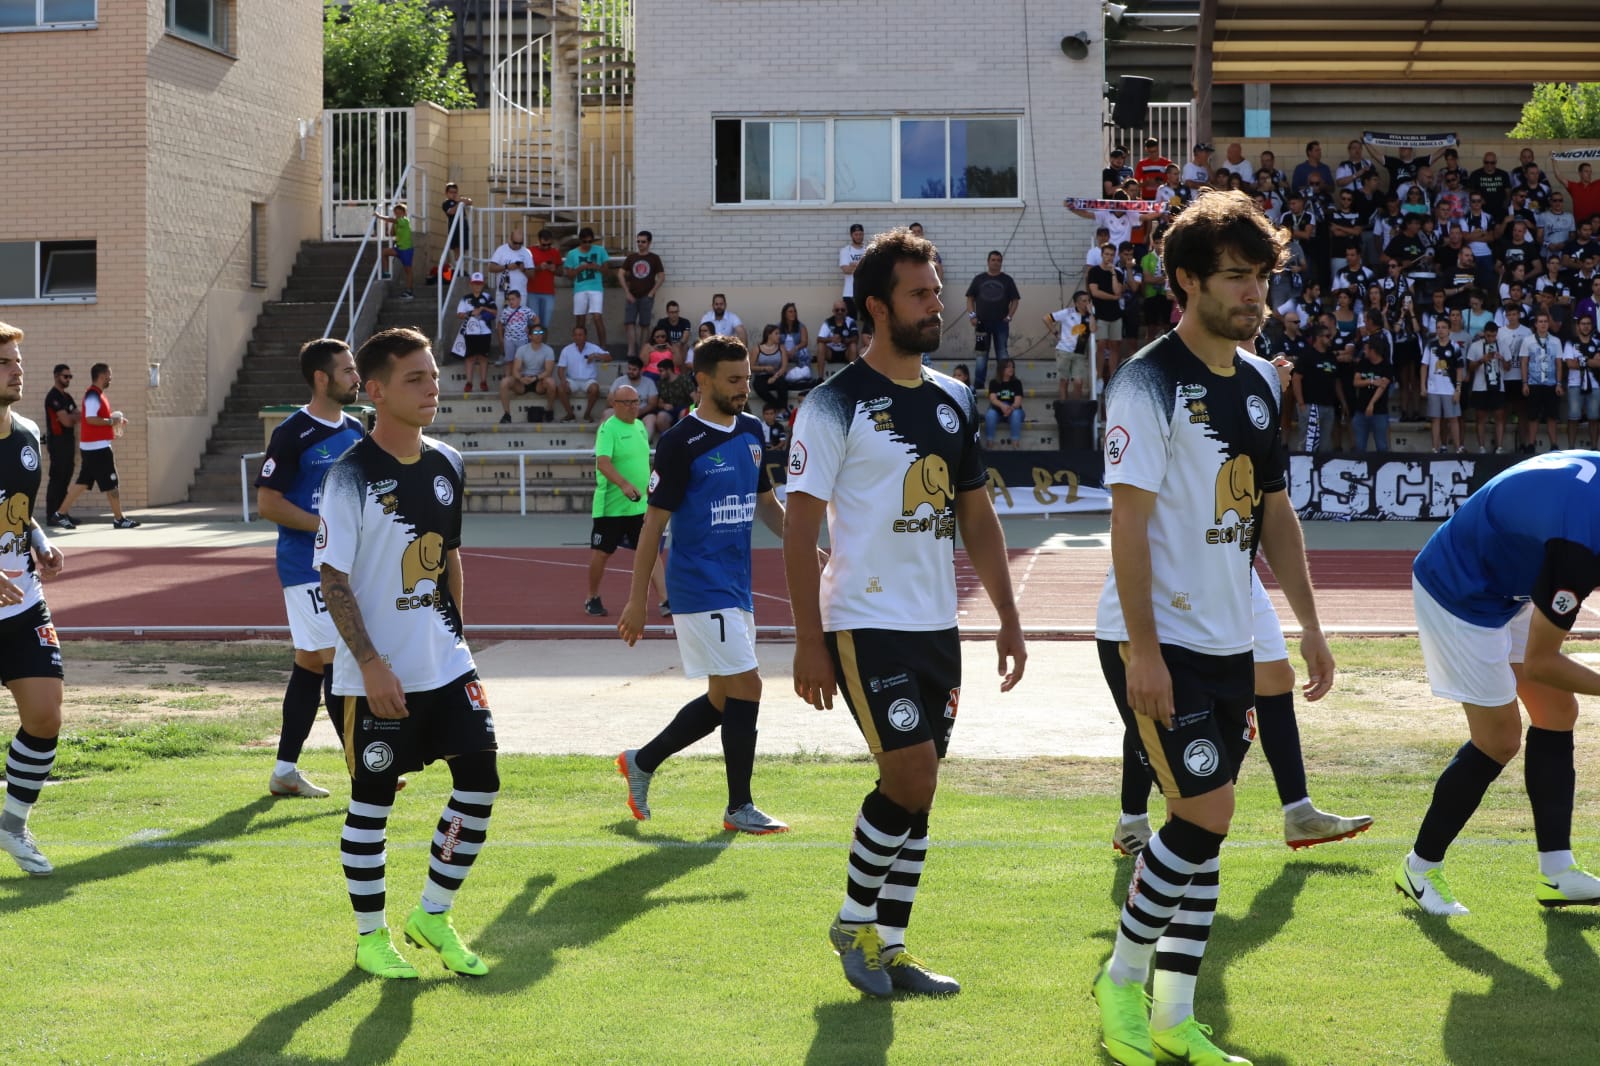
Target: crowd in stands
1414	289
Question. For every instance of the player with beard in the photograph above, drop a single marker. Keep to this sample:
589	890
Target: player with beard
30	654
710	482
1195	466
888	450
288	493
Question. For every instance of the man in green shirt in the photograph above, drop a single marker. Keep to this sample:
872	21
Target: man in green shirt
621	473
584	265
404	250
1157	305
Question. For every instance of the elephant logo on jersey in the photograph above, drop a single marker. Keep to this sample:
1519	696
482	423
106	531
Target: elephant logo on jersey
1564	602
14	534
927	482
1236	488
423	561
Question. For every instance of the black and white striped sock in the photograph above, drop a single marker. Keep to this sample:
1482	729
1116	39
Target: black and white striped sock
882	827
899	890
363	853
1161	877
1182	947
459	836
28	764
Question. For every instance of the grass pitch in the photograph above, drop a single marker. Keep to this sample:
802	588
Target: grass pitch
194	920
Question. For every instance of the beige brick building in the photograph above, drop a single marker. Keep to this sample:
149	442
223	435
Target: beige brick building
169	138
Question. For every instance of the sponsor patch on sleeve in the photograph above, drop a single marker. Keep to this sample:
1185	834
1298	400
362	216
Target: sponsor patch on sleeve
1564	601
797	458
1117	441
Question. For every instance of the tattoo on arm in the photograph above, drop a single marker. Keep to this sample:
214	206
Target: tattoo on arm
340	599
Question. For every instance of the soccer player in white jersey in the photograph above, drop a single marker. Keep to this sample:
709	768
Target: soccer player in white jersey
888	450
30	654
288	491
388	550
1195	467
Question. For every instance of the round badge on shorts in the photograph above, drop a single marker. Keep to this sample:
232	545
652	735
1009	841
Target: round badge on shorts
903	715
30	458
1260	417
377	757
1200	757
442	490
948	421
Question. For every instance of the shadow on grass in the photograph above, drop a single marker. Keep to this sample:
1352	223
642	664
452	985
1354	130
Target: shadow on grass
376	1039
206	843
855	1032
1521	1012
526	941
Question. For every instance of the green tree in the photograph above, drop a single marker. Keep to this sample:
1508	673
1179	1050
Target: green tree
1560	111
389	54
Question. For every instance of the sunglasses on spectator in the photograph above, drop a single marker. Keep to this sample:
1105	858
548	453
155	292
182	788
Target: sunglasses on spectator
64	377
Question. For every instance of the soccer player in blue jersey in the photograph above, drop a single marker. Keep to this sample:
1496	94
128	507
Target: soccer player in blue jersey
710	482
289	492
1497	589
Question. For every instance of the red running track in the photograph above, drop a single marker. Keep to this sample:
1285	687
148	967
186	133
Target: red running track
237	589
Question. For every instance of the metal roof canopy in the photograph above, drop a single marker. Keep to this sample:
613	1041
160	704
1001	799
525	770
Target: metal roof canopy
1404	40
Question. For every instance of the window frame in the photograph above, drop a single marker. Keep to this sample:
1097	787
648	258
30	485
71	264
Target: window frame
222	11
40	266
895	120
259	254
41	25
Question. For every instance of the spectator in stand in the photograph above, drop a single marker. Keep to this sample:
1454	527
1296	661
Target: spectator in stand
1132	278
1005	401
1531	180
1522	207
938	260
1374	375
641	277
1445	369
1236	163
453	202
512	262
794	337
1526	159
1450	163
1290	278
1172	196
578	371
1302	225
1493	184
837	337
404	249
1352	275
511	327
1585	191
533	369
645	390
1590	305
702	331
849	256
1480	230
97	466
1157	304
1453	196
585	265
1514	339
660	351
1105	291
542	285
1582	359
724	323
1072	327
992	300
1268	164
1541	384
1112	177
769	369
476	311
676	389
1118	225
1516	252
1197	171
1345	227
1312	166
1353	171
1151	170
1317	390
1486	364
1555	227
61	444
678	331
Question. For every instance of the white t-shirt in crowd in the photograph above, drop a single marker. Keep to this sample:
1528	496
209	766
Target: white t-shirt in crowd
847	255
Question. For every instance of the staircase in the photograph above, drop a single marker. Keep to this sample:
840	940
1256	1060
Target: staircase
271	370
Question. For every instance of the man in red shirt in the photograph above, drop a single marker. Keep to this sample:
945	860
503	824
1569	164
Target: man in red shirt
97	466
1152	169
1585	192
542	282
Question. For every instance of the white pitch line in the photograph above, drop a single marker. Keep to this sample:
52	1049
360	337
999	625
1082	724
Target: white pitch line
585	566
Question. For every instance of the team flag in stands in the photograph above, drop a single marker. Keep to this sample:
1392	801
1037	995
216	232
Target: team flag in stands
1379	139
1577	153
1142	206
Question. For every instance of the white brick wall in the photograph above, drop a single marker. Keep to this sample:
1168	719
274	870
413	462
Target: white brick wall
931	56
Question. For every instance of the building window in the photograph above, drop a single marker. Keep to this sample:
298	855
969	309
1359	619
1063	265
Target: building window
31	271
45	14
207	22
258	246
868	159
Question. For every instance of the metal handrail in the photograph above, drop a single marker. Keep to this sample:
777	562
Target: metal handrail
498	453
347	292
